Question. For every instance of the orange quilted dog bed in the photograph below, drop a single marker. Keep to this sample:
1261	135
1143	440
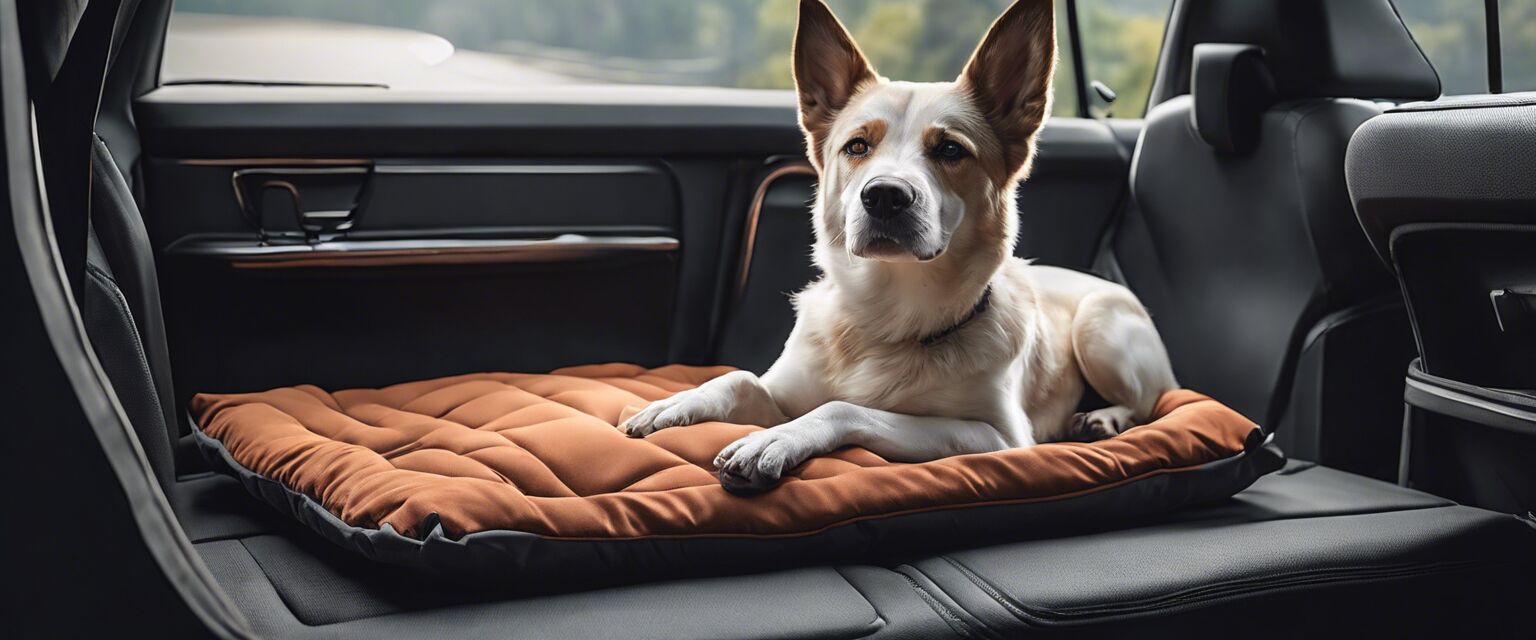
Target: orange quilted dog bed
523	461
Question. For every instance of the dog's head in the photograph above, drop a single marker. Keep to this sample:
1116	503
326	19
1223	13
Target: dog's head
910	171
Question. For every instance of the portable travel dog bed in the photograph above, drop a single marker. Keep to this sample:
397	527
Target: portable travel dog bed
503	474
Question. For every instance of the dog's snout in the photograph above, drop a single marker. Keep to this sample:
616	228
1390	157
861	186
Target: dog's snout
886	198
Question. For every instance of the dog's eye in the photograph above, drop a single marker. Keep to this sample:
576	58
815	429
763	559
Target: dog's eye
949	150
857	147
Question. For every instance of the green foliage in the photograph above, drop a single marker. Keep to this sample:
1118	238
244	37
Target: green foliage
745	43
1121	46
1452	35
1518	19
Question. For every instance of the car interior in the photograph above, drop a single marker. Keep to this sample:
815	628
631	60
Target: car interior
1328	243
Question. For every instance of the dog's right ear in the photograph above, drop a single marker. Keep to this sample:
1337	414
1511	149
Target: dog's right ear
1009	76
829	70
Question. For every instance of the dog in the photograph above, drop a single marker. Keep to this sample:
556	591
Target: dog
925	337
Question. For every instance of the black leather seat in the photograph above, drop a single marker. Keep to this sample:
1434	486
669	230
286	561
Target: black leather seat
1243	243
1308	549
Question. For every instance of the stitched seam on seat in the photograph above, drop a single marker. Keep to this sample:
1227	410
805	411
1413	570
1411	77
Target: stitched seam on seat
879	622
1218	591
986	587
1238	588
954	621
119	300
272	584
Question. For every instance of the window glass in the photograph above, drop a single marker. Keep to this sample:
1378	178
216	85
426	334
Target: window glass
1121	42
1517	34
1454	36
501	44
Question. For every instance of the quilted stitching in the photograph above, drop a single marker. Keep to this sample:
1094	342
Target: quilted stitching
540	453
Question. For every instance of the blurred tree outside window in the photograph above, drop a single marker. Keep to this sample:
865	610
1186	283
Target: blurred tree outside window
1121	42
474	45
1453	35
1517	33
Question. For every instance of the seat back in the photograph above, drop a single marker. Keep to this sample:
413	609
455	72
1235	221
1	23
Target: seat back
1242	242
121	309
96	224
1446	191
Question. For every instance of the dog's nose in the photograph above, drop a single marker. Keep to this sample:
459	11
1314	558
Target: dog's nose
886	198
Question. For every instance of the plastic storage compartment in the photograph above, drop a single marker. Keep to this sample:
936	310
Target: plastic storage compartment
1472	444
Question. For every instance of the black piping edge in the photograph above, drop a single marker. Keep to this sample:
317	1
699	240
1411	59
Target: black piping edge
500	553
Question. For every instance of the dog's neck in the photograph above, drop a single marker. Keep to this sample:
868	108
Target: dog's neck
895	302
977	309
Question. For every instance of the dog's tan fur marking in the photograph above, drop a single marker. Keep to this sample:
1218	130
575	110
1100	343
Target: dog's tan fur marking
872	131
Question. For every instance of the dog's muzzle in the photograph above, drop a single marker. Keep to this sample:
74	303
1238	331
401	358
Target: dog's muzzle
892	225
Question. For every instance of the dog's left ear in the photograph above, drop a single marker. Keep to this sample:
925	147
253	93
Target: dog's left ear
1009	76
829	70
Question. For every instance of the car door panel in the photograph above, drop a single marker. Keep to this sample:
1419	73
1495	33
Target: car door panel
712	182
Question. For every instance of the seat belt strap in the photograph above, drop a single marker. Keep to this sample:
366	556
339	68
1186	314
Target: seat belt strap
66	120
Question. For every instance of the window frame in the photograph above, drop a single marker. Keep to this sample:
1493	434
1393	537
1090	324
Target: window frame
1083	91
1494	43
1075	51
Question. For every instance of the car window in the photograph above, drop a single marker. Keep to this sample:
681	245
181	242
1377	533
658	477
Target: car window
504	44
1121	42
1517	34
1454	36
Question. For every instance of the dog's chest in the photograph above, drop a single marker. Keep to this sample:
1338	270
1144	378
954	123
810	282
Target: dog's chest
916	379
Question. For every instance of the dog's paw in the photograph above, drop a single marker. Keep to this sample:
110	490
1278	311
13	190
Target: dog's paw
680	410
1103	423
756	462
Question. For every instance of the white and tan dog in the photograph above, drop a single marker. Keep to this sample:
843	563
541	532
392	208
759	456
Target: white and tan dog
926	338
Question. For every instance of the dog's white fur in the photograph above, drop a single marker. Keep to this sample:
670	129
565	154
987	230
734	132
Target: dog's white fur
855	370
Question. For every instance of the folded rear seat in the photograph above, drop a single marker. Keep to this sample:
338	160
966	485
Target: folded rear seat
1308	550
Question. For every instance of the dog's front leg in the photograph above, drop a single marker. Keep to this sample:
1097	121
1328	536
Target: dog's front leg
738	396
757	461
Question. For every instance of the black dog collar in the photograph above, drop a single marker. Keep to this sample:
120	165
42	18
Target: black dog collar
978	309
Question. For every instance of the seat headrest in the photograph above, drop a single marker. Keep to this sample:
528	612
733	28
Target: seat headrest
1232	87
1313	48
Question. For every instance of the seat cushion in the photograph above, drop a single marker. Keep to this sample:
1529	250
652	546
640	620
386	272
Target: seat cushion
491	473
1406	561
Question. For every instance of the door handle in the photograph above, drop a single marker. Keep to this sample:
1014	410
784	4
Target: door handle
1514	308
320	203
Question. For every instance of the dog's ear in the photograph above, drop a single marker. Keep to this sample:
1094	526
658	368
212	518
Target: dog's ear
829	70
1009	76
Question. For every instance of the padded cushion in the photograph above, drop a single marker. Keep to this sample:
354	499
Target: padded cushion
504	471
